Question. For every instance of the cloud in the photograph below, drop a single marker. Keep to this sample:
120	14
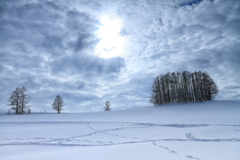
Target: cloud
49	46
190	3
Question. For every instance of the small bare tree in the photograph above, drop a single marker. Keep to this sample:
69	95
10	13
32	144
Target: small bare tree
58	104
107	106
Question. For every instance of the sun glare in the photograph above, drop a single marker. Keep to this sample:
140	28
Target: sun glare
111	43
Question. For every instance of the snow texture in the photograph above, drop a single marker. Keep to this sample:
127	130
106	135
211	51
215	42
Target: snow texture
200	131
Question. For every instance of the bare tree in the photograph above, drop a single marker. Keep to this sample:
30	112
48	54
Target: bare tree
167	78
19	100
212	88
155	92
14	100
163	89
24	100
107	106
58	104
188	86
174	86
194	87
179	87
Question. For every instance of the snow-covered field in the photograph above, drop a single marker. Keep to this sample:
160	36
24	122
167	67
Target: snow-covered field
202	131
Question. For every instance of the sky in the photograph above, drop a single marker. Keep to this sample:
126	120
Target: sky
93	51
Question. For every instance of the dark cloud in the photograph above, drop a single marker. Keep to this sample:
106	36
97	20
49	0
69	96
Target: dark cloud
87	65
48	46
190	3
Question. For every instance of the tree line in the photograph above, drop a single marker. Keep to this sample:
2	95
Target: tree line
183	87
19	102
169	88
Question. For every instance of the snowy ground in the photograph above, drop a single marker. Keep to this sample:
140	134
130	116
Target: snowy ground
202	131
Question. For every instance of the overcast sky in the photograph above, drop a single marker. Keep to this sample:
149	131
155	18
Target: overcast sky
89	52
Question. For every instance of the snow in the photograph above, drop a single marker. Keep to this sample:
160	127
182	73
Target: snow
201	131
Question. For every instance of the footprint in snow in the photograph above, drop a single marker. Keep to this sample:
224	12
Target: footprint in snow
86	140
99	141
191	157
174	152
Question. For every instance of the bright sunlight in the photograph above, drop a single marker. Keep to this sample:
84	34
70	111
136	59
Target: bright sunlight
111	43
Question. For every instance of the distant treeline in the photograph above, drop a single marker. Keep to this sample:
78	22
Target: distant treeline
183	87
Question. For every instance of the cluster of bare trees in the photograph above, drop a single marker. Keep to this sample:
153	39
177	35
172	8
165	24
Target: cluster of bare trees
19	100
183	87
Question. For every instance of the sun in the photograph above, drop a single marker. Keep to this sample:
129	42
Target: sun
111	44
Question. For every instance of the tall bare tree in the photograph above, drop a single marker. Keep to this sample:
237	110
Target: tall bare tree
163	86
24	100
167	78
179	87
14	100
